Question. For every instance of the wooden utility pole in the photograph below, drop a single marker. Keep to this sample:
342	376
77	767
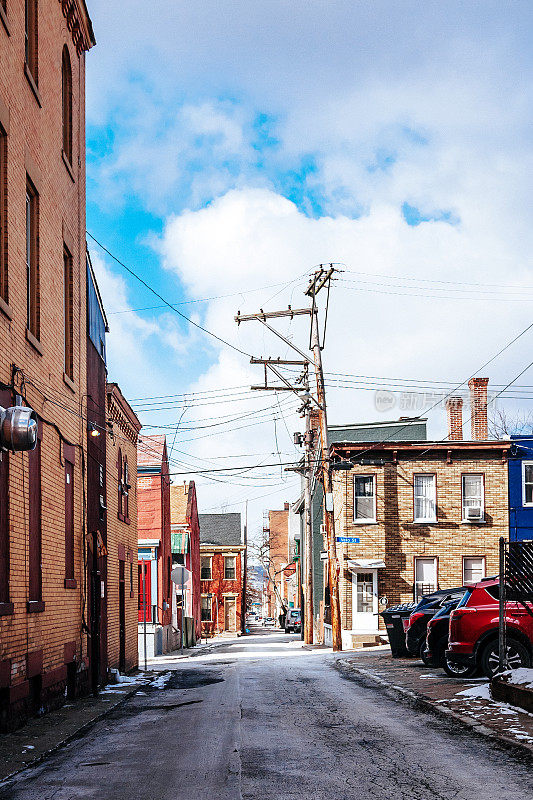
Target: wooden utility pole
308	531
319	280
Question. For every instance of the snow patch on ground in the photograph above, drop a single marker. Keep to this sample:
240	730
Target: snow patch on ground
481	690
162	680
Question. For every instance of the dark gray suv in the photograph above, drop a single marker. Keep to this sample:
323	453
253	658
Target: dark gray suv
293	621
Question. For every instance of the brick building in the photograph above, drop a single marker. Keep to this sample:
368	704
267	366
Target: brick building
185	543
427	515
154	548
122	537
43	648
283	571
222	576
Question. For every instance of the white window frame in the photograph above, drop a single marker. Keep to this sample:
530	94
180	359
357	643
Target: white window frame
433	518
483	559
365	520
206	597
436	583
234	568
524	465
210	568
470	475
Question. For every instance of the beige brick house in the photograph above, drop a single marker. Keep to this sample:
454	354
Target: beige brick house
427	515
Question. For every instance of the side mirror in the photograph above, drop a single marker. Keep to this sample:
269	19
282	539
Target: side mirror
18	428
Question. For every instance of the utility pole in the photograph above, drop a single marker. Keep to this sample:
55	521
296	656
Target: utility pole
319	279
307	573
245	569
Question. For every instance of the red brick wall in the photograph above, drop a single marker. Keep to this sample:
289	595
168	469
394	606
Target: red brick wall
122	539
154	523
219	587
34	147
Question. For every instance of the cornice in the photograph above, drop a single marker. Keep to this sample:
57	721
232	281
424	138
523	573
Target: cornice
79	24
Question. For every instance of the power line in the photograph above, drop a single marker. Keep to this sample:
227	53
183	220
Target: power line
166	303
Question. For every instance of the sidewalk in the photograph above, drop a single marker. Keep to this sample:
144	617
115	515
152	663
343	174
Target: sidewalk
41	736
468	701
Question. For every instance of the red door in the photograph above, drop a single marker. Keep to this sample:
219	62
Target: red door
145	594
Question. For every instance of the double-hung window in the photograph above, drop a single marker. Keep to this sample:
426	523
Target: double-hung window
206	608
364	498
32	260
229	568
205	568
527	483
425	577
425	498
473	569
473	498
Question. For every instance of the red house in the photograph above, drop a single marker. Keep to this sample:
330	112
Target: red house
221	572
155	555
185	544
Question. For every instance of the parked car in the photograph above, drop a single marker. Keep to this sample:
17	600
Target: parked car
474	627
416	625
268	622
437	635
293	621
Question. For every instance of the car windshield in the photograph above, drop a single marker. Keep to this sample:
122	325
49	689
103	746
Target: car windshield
295	613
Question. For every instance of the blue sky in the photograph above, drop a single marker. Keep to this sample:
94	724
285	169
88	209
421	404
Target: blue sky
232	146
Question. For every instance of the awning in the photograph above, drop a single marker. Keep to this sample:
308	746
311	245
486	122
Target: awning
365	563
179	541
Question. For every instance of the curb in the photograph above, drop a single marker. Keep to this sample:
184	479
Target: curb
77	734
444	712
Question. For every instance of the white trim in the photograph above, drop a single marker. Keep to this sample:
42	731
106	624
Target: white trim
472	475
433	518
364	520
524	464
473	558
365	564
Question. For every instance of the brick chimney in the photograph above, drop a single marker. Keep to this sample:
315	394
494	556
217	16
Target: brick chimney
285	506
478	407
454	412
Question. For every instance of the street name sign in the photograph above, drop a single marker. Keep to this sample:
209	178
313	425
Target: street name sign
348	540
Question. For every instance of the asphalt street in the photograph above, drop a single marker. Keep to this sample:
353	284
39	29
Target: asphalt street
265	718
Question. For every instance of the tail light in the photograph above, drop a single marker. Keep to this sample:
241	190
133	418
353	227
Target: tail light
407	623
456	615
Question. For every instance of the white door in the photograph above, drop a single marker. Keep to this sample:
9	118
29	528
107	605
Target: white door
365	601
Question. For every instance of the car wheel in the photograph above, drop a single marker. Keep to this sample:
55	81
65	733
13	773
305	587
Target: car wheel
517	656
422	653
454	670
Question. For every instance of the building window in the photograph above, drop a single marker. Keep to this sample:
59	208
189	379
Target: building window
69	520
473	569
229	568
35	517
31	37
425	576
126	489
364	498
425	498
527	483
66	91
206	608
205	569
69	313
3	216
32	259
119	482
473	491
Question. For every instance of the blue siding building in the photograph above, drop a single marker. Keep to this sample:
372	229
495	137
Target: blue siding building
521	488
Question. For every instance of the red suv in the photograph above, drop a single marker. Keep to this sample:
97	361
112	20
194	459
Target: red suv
474	627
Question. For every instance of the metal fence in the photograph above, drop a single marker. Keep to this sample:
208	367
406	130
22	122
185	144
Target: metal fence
516	586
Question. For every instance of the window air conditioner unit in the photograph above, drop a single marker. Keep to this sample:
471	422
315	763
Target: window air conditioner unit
473	513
